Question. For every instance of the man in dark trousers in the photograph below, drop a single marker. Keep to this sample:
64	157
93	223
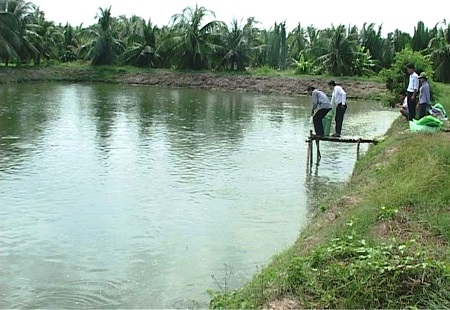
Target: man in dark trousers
412	90
338	100
424	95
321	106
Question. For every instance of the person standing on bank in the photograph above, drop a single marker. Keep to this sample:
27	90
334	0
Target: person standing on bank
322	104
411	91
338	100
424	95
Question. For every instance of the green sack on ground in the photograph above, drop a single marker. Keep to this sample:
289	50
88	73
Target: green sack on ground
430	121
414	127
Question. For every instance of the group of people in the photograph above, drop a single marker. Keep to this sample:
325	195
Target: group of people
322	105
417	98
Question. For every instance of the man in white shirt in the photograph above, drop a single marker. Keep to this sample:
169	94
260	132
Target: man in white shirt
411	91
338	101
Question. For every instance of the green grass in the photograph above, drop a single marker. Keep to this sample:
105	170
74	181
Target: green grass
381	242
268	71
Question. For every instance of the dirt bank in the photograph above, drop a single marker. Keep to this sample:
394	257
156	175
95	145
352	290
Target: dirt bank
249	83
176	79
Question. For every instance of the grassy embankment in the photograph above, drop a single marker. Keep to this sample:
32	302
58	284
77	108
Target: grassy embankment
382	241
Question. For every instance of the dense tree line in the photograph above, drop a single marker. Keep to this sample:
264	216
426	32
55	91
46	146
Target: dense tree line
188	42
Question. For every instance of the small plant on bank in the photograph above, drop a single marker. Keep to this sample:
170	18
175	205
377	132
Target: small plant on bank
387	213
224	283
350	273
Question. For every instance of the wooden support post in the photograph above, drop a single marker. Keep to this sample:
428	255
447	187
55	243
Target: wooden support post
317	139
308	155
310	149
319	156
357	149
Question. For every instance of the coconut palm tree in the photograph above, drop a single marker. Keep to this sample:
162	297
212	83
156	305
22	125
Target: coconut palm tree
72	42
14	28
104	48
234	49
191	43
439	48
297	41
10	37
141	43
238	45
45	37
373	42
255	41
316	47
342	49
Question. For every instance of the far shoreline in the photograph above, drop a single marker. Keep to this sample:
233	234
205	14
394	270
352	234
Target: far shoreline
222	81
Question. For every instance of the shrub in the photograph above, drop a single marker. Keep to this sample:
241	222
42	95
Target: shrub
396	77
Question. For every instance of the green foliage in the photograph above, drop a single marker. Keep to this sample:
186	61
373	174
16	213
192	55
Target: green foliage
341	51
350	273
297	41
237	45
265	70
302	66
105	48
422	36
190	42
372	41
439	49
15	31
362	63
344	55
387	213
253	295
25	35
400	40
277	48
141	42
71	43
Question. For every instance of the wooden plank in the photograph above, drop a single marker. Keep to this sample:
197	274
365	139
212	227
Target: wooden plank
344	139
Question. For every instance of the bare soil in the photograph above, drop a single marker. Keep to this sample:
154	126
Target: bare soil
201	80
250	83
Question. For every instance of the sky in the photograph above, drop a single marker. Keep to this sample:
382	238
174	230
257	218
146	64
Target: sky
392	14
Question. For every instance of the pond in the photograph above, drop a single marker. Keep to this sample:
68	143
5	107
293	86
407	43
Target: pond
119	196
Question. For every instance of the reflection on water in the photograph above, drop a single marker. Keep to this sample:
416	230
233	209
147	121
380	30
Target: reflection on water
131	197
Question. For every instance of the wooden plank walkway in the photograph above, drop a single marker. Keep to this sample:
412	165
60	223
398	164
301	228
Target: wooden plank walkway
317	139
